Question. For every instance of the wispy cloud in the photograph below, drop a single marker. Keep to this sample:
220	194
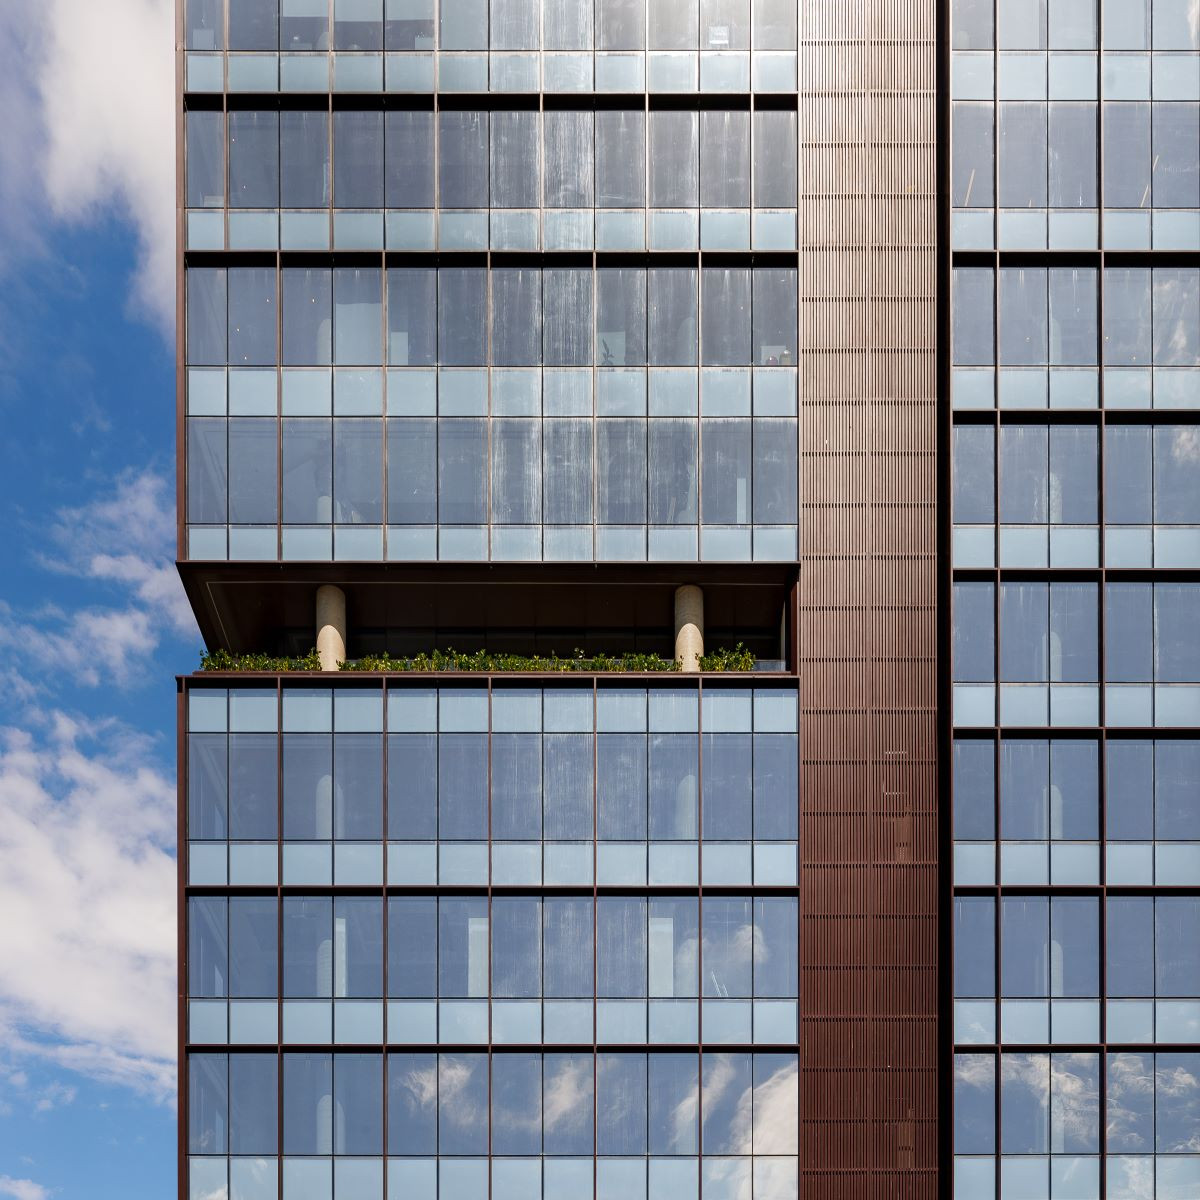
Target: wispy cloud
87	946
122	540
86	90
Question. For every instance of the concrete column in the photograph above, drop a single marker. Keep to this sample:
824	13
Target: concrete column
331	626
689	626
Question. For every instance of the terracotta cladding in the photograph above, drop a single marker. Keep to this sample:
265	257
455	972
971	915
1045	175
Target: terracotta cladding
867	600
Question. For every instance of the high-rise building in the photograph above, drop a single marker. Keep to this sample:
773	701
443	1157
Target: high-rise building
864	334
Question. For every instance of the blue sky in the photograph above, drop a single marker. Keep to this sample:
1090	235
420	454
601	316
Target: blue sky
93	626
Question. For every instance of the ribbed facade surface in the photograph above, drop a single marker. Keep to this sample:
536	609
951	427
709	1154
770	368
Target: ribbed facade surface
566	328
868	601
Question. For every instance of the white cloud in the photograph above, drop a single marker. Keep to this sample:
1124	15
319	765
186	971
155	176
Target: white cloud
87	91
123	539
22	1189
87	886
128	538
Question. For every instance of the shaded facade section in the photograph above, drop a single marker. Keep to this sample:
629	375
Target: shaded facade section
867	602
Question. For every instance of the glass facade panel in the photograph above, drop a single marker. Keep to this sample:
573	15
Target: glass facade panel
1074	707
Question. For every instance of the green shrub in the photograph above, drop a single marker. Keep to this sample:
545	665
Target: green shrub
482	661
222	660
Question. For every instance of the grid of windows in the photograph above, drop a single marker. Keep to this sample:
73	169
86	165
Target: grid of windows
513	786
420	1125
559	46
1075	769
621	413
582	864
698	172
1050	136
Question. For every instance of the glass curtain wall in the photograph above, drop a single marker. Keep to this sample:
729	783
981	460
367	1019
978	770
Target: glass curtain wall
1076	505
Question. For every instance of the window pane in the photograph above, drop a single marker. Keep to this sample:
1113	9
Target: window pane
205	159
253	946
412	946
357	315
1025	1089
972	325
568	158
1074	946
514	155
1072	137
621	317
358	25
1128	633
1023	317
726	773
725	314
1073	317
412	1104
1176	949
620	156
462	786
672	316
621	1103
1177	790
567	317
253	159
567	1103
1025	789
1126	155
206	316
1025	946
974	790
517	1104
412	785
307	470
568	474
253	1104
463	159
358	1104
408	139
725	158
516	947
1073	475
304	159
775	297
307	947
307	316
973	183
463	947
621	472
774	156
567	801
516	316
1176	647
1129	958
1177	317
974	946
674	159
621	787
672	472
462	1103
620	946
567	942
1022	155
462	317
974	474
412	320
